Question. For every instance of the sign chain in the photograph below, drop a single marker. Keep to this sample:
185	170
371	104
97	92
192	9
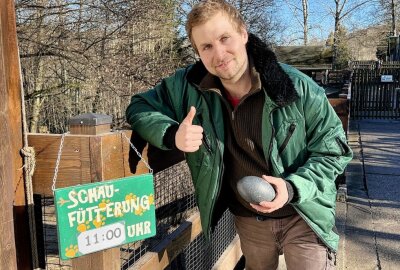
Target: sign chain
137	152
53	187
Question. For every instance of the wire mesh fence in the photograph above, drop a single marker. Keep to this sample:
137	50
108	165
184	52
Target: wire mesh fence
175	202
202	255
46	228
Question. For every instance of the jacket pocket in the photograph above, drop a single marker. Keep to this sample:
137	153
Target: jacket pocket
205	124
291	130
344	148
291	144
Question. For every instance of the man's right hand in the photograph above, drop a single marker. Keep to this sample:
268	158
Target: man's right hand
189	137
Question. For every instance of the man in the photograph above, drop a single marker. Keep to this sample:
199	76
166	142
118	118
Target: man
238	112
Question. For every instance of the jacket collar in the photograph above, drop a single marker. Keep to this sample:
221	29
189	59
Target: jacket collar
210	81
275	81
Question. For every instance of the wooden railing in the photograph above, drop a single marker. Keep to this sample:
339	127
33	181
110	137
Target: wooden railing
100	155
89	154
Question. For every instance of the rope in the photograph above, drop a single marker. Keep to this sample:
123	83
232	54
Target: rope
53	187
30	157
29	168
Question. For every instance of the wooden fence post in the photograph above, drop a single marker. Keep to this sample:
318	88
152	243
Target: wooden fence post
101	168
91	153
341	107
15	250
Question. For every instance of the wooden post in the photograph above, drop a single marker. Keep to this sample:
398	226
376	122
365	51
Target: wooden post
76	165
15	250
84	159
90	124
341	107
102	168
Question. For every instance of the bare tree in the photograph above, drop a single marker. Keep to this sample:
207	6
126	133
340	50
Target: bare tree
305	20
342	10
259	16
388	11
393	15
302	20
91	56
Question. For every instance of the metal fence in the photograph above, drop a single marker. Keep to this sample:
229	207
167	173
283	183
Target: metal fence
375	93
371	64
202	255
175	202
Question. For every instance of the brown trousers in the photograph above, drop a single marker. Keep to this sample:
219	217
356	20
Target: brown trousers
263	241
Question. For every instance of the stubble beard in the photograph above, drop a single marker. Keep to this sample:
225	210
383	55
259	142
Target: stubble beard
233	74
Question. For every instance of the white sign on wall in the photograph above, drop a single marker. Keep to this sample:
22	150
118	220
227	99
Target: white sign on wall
386	78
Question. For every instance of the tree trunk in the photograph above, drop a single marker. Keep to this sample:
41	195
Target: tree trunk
305	21
335	33
100	79
393	15
38	84
37	100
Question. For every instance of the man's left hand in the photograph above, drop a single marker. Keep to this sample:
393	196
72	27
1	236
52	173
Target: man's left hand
281	196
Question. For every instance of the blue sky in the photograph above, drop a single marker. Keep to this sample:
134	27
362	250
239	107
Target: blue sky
321	21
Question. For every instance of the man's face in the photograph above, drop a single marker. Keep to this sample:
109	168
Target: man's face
221	48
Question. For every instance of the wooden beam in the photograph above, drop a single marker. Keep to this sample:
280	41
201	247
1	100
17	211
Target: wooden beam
79	162
74	166
110	157
89	130
103	260
341	107
230	257
105	163
167	250
14	232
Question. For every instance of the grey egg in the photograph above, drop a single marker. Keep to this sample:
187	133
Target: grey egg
254	189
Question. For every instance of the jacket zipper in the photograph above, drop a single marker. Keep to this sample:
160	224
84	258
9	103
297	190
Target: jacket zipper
292	127
206	143
219	185
205	140
340	145
222	169
319	236
272	133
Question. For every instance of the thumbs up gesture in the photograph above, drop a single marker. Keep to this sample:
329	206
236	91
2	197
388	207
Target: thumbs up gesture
189	137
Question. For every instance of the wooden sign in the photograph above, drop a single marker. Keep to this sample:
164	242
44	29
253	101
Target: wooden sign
98	216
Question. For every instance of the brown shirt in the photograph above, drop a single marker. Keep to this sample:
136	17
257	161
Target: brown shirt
244	154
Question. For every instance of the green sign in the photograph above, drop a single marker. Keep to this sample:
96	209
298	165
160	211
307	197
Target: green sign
102	215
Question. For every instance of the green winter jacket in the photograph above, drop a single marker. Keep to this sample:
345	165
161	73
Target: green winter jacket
302	135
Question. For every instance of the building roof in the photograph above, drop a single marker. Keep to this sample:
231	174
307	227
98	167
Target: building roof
305	57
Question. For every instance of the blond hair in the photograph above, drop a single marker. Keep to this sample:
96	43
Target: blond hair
204	10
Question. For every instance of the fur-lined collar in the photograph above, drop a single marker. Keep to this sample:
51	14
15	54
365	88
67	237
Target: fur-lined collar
275	81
